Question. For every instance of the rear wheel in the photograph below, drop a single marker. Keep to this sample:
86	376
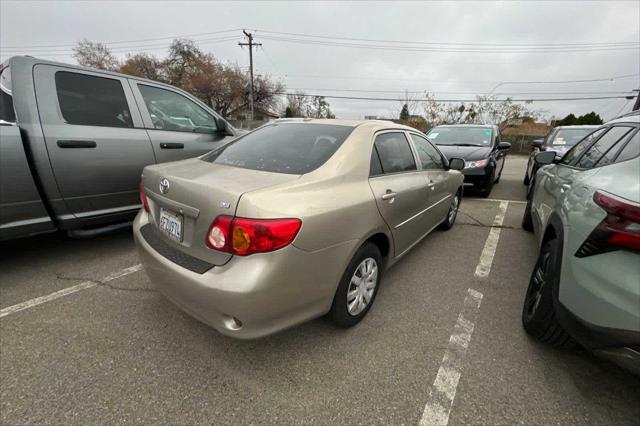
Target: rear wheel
452	213
358	287
538	315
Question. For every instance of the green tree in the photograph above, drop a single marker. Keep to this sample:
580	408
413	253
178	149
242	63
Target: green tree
404	113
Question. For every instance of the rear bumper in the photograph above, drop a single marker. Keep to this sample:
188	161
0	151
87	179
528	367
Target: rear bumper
267	292
619	346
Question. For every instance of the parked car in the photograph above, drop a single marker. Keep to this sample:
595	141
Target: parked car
292	221
74	141
585	212
479	146
560	139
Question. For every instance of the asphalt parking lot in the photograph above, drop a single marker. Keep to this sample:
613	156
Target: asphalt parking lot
444	333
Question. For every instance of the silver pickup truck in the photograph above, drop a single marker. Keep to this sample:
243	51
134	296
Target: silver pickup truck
74	141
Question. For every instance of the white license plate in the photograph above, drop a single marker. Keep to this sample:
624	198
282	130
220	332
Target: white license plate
171	224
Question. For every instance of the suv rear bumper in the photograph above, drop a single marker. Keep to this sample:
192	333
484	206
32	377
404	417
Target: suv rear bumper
619	346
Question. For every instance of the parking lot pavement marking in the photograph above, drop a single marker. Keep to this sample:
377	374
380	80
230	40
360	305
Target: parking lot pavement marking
490	246
443	391
496	200
67	291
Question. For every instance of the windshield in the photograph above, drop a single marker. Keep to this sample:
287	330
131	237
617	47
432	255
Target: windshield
466	136
293	148
569	137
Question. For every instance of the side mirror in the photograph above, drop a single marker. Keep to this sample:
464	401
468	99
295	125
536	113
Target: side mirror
537	143
503	146
545	157
456	163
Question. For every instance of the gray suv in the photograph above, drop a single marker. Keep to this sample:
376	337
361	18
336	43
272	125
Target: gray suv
585	212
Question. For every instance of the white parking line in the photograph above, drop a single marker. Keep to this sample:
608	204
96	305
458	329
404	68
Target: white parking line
490	246
496	200
67	291
443	391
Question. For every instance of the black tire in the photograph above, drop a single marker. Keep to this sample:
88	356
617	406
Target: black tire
450	219
339	312
527	219
526	179
486	191
538	314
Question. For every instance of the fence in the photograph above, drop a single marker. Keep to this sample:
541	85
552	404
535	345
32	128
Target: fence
520	144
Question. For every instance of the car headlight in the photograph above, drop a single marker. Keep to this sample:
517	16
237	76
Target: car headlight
475	163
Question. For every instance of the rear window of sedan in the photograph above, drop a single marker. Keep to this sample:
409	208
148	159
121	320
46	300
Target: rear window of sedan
292	148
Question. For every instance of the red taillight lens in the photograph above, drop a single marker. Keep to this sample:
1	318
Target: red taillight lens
620	229
143	198
244	236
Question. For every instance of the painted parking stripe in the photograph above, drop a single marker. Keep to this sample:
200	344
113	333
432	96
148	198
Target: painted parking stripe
443	391
67	291
496	200
490	246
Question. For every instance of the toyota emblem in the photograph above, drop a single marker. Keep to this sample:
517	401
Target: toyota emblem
164	185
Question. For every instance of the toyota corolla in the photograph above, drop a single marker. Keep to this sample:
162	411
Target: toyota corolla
292	221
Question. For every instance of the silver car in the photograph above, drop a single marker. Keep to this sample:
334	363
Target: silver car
585	211
292	221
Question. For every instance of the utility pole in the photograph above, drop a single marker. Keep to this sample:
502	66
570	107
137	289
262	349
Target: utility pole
251	44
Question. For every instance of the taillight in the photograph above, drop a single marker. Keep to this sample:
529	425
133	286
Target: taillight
620	229
143	198
243	236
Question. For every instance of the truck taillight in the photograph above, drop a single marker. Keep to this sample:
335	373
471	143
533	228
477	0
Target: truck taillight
244	236
620	229
143	198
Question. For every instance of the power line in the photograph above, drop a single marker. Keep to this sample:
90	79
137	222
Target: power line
453	49
400	91
455	100
448	43
126	41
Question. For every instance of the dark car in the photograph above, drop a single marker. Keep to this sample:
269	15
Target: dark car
479	146
560	139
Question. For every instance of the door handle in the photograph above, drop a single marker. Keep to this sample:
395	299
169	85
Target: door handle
389	195
76	144
171	145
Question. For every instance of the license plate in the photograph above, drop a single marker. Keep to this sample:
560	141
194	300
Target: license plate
171	224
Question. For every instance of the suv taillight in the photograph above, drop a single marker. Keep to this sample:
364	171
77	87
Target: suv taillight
620	229
143	198
244	236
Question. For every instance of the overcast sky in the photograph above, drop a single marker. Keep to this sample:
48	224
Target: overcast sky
377	72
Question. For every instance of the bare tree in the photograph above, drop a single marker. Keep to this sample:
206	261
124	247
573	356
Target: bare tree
143	65
95	55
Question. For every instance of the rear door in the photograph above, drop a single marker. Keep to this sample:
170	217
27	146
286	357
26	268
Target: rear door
179	126
400	189
563	186
436	178
95	138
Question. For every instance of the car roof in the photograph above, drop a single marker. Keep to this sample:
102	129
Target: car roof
632	117
487	126
375	125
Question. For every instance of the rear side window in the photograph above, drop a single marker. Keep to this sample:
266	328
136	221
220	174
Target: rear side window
292	148
395	153
7	113
602	146
631	149
88	100
376	167
429	156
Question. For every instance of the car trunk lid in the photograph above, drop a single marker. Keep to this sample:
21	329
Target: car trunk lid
192	193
